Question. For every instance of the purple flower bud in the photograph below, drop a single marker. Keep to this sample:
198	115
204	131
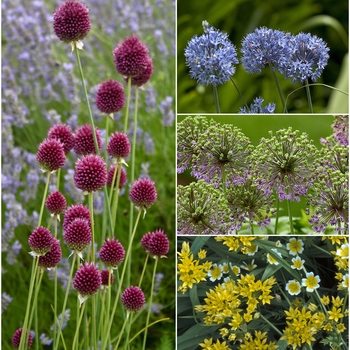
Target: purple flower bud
156	243
110	97
40	241
119	145
122	180
51	155
53	257
16	339
74	212
143	193
84	140
78	235
87	279
133	299
56	203
112	253
62	133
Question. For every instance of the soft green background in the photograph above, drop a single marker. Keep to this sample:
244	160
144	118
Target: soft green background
325	18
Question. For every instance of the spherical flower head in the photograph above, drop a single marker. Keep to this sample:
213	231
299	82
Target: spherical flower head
145	240
87	280
16	339
74	212
56	203
78	235
90	173
311	282
62	133
309	56
110	175
143	193
156	243
112	253
265	47
133	299
51	155
211	57
71	21
84	140
110	97
119	145
40	241
144	76
293	287
53	257
105	277
131	57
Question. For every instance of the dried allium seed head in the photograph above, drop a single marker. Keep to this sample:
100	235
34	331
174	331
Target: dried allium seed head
110	97
51	155
62	133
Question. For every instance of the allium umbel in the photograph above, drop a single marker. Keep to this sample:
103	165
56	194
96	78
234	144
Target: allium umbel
110	97
53	257
112	253
84	140
73	212
71	21
133	299
143	193
78	235
62	133
51	155
16	339
119	145
90	173
40	241
110	175
156	243
56	203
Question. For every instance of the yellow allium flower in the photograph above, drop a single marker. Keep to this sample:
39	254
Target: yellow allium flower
337	302
202	254
325	300
335	314
341	327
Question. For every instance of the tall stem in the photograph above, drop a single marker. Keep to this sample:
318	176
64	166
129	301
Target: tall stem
278	88
216	98
240	94
277	213
290	217
44	198
308	95
91	207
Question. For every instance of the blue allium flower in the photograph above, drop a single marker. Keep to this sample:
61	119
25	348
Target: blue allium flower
257	108
265	47
309	56
211	57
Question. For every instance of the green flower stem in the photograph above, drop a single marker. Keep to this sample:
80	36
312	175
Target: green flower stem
91	207
127	256
143	270
150	303
93	322
308	94
77	309
55	284
279	89
128	93
290	217
102	313
116	175
252	229
128	333
270	324
24	337
216	98
75	339
44	198
240	94
65	301
58	179
277	213
126	321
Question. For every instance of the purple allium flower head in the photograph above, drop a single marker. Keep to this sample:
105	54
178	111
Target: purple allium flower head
53	257
133	299
51	155
110	175
16	339
40	241
131	57
265	47
74	212
309	56
341	129
56	203
119	145
105	277
110	97
156	243
145	75
211	57
257	108
143	193
84	140
71	21
112	253
62	133
78	235
87	280
90	173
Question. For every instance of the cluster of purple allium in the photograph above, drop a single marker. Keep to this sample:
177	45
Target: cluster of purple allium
340	132
84	140
283	163
202	209
211	57
257	108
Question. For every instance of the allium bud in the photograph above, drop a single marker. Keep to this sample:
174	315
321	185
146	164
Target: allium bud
110	97
53	257
90	173
143	193
56	203
78	235
71	21
40	241
74	212
133	299
51	155
122	180
84	140
119	145
16	339
62	133
112	253
156	243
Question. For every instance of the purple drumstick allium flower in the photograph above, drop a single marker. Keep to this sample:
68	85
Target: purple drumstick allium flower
118	145
87	281
53	257
112	253
265	47
133	299
90	173
145	75
211	57
84	140
62	133
74	212
78	235
40	241
143	193
56	203
16	339
71	22
308	58
156	243
110	175
105	277
131	57
51	155
110	97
